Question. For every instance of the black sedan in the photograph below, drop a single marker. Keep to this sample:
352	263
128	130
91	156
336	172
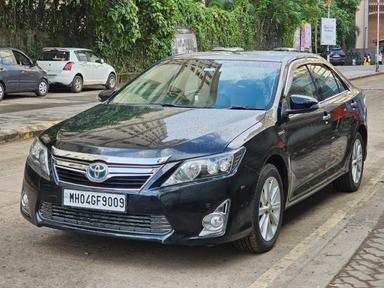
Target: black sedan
19	74
201	149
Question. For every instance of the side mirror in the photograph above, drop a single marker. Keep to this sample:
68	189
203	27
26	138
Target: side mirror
301	104
100	61
106	94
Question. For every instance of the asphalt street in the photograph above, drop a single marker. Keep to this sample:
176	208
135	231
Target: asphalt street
318	237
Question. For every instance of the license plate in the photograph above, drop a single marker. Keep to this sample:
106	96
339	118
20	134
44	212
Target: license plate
95	200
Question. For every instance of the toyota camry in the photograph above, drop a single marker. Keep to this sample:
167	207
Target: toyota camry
201	149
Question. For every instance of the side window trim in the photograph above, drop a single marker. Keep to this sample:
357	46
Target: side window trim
340	81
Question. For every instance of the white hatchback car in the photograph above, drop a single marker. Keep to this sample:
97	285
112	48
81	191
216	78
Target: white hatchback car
75	68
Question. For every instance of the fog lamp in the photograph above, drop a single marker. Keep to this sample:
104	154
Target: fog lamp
215	223
25	203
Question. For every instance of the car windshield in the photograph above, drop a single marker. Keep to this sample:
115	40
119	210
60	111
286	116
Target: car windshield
204	83
54	55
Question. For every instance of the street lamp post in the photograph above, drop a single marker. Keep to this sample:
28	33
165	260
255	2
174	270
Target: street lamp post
329	16
378	36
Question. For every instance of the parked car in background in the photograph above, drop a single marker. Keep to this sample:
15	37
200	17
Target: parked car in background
75	68
201	149
19	74
337	56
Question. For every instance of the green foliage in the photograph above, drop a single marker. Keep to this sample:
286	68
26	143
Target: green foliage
217	27
223	4
282	18
131	34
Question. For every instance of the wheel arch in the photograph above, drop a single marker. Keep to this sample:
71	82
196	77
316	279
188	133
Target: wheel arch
5	86
364	134
278	161
79	74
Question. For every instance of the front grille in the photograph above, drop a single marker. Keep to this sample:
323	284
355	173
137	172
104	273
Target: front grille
121	176
125	182
149	224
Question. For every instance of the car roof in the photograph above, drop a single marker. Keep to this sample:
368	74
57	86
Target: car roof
65	49
270	56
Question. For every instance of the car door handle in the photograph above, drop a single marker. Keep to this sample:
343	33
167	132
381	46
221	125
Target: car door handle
326	117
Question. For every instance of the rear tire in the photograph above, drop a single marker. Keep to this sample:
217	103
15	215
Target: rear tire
350	181
77	84
268	213
2	92
111	81
42	89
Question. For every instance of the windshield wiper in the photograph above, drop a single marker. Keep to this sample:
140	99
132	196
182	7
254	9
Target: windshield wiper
242	108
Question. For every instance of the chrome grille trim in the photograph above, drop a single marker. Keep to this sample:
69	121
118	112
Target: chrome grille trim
140	224
108	159
121	176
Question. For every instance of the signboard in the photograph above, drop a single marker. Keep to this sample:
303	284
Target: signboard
328	31
303	38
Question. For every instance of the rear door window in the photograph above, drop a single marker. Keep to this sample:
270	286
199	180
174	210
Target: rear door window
54	55
325	81
6	57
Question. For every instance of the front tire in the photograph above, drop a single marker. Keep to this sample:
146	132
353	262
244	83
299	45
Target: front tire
111	81
268	212
77	84
2	92
350	181
42	88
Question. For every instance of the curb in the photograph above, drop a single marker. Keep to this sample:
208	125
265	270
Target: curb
24	132
366	75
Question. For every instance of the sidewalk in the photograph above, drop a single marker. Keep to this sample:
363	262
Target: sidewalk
24	117
357	72
366	267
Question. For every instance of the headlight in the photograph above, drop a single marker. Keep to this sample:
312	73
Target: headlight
38	158
206	167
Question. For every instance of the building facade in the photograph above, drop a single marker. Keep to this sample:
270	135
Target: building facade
366	21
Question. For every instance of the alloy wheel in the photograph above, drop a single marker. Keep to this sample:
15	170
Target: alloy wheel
269	208
112	81
357	161
43	87
77	83
1	92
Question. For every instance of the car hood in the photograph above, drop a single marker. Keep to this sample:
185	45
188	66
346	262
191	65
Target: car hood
150	131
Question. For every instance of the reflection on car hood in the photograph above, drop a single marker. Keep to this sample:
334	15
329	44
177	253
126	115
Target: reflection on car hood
151	131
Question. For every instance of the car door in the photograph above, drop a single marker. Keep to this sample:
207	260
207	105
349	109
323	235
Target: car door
84	67
333	95
29	76
98	75
305	135
10	71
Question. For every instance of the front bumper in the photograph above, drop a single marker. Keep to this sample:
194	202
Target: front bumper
183	206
